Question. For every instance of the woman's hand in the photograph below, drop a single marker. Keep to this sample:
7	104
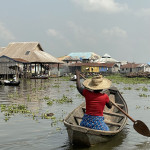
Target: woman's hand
80	89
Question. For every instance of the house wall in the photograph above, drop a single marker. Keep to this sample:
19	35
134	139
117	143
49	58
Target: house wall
147	68
85	69
89	69
102	69
5	63
94	69
128	70
115	69
109	70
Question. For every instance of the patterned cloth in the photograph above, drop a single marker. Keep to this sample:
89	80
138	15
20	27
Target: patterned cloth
94	122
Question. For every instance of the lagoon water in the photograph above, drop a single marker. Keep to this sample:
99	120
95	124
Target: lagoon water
32	132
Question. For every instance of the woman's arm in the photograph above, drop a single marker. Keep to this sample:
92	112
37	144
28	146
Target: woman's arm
109	105
80	89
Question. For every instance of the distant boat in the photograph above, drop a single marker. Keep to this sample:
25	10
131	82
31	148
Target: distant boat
11	83
72	79
39	77
116	121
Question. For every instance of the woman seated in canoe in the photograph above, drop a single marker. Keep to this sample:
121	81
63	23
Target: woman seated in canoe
95	101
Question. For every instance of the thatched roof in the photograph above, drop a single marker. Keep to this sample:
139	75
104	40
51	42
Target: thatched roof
1	49
8	59
29	51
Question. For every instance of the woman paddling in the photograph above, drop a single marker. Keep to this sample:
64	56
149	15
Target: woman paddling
95	101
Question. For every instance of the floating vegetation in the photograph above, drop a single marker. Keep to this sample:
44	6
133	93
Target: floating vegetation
144	95
47	116
14	95
10	110
72	86
28	98
65	78
127	88
41	88
144	89
50	102
34	90
138	88
138	107
64	99
146	107
58	129
119	78
46	98
56	86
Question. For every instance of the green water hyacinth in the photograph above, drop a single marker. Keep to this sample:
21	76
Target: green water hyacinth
122	79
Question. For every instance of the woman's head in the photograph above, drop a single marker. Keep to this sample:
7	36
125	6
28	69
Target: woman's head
97	83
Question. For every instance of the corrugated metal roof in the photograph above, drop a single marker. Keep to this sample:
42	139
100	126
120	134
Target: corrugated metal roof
29	51
84	55
69	58
62	58
106	58
94	64
129	65
109	65
85	64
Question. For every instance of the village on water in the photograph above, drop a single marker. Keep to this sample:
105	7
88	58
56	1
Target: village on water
31	85
29	60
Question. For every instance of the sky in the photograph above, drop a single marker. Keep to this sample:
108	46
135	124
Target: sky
120	28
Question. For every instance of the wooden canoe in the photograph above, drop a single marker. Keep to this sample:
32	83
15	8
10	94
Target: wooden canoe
114	118
11	83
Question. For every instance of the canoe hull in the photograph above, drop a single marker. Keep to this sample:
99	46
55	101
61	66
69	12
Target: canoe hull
15	83
116	121
83	138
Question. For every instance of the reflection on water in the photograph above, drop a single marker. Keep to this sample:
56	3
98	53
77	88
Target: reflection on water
143	145
24	131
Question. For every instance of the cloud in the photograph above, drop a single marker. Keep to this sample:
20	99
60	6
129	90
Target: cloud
54	33
5	33
115	32
143	12
76	29
58	35
81	33
107	6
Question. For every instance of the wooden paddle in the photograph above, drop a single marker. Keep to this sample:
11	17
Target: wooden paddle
138	125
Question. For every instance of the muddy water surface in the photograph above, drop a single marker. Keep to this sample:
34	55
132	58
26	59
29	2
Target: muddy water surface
32	131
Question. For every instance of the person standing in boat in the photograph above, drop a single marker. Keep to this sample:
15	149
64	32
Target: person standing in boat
95	101
15	78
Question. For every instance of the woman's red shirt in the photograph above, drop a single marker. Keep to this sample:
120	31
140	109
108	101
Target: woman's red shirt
95	102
